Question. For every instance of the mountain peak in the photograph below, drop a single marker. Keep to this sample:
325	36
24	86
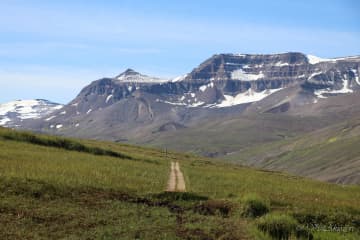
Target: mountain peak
130	75
130	71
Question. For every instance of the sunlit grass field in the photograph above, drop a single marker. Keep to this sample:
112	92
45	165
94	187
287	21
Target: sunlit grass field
88	192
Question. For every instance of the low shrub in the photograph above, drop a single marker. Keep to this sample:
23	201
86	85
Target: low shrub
278	226
215	207
58	142
328	219
303	233
254	206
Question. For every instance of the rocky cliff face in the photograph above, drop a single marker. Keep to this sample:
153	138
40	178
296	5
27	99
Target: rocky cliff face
237	73
229	79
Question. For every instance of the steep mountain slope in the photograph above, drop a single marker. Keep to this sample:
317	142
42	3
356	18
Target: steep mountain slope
13	113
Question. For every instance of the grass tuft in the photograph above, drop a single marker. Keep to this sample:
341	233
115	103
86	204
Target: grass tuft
278	226
254	206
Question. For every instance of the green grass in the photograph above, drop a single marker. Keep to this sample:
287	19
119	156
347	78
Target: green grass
63	143
254	206
53	192
278	226
61	167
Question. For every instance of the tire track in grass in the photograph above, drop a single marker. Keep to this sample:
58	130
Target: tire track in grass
171	185
180	182
176	182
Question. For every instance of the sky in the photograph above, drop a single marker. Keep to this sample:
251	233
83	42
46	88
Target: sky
52	49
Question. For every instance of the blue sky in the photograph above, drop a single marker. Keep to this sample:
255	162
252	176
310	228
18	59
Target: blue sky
51	49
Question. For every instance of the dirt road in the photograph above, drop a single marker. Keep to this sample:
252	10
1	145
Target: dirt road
176	181
171	186
180	183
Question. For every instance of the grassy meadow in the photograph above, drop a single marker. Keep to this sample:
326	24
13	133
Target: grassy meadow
57	188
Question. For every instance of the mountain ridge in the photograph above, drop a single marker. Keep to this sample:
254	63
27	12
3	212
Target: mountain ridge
220	83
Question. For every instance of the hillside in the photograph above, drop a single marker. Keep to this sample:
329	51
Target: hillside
56	188
328	154
271	140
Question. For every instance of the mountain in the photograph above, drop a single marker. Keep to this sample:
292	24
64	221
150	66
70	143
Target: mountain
137	105
14	112
228	103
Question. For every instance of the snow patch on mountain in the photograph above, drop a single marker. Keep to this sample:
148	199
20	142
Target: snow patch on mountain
26	109
50	118
134	77
281	64
108	98
190	104
196	104
204	87
348	58
4	120
243	76
172	103
314	75
239	55
233	64
179	78
321	93
314	59
356	76
246	97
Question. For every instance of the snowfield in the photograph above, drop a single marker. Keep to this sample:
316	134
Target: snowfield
246	97
243	76
26	109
